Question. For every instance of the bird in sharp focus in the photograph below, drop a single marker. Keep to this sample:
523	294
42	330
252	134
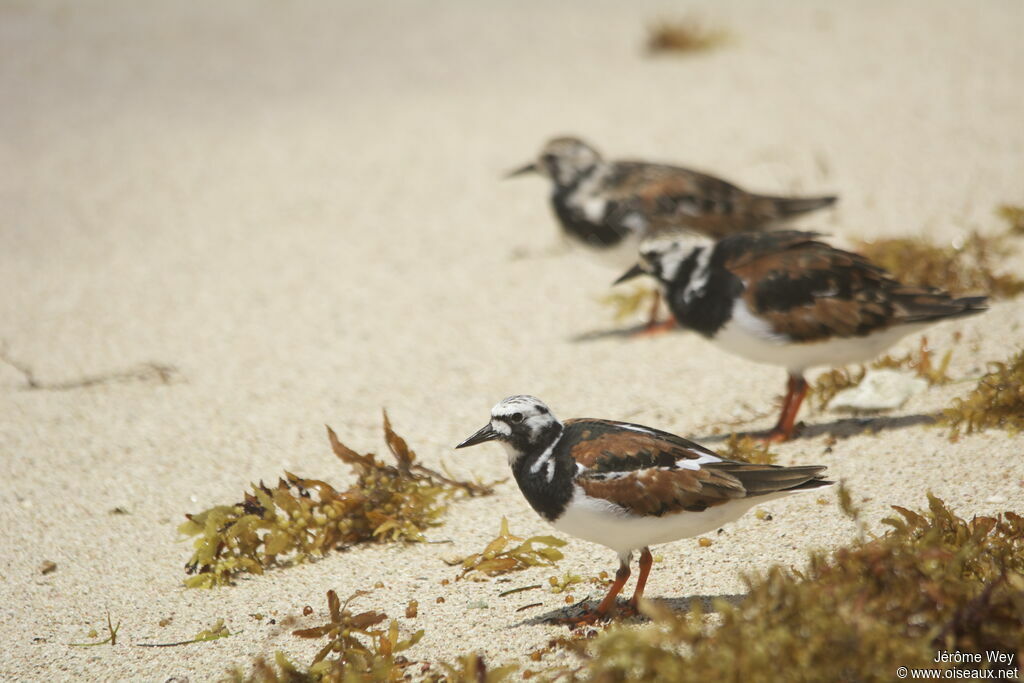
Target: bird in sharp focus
626	486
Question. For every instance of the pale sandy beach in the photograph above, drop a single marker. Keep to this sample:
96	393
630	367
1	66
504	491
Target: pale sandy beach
299	207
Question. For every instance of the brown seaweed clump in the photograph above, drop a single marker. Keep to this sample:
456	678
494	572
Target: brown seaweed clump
508	553
933	583
358	648
299	518
967	268
1014	215
996	402
686	35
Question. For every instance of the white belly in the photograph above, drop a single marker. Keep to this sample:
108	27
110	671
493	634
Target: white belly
596	520
752	338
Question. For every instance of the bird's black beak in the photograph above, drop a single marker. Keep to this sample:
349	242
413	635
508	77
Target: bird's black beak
633	272
484	434
529	168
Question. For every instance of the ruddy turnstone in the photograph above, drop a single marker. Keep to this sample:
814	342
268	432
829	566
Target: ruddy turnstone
628	487
611	206
788	299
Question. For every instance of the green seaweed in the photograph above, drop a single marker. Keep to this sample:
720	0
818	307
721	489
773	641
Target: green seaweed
300	519
508	553
996	402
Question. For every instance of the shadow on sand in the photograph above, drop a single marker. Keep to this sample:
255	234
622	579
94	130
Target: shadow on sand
842	428
634	332
676	605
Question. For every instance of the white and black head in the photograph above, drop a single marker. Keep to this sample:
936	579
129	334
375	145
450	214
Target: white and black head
520	423
565	160
663	258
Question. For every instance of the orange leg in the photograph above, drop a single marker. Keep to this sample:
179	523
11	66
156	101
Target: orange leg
796	390
645	568
601	613
653	325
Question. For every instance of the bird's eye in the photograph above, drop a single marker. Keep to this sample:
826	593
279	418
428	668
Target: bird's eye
516	417
549	159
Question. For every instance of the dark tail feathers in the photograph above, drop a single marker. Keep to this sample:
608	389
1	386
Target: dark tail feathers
929	307
794	206
764	479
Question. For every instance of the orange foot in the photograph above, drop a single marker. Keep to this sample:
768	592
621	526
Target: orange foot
585	619
654	328
628	611
624	611
775	435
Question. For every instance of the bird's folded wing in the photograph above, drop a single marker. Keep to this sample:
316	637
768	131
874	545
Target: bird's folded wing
660	490
665	490
807	290
610	446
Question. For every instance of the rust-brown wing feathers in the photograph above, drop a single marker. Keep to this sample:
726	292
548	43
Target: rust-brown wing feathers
659	491
610	446
649	472
808	290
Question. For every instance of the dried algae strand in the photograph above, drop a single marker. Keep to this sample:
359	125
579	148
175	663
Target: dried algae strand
215	632
934	582
996	402
508	553
358	647
301	518
111	638
687	35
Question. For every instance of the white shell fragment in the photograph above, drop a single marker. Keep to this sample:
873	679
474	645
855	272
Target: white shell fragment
879	390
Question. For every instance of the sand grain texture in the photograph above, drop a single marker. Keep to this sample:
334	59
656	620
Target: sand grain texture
298	206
